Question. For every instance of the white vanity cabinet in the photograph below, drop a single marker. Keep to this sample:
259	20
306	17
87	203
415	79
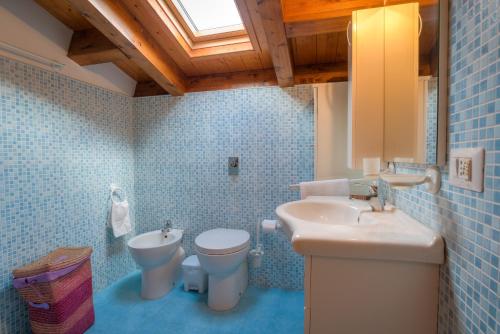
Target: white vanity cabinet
347	296
365	272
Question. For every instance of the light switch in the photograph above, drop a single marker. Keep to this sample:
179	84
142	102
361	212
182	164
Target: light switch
467	168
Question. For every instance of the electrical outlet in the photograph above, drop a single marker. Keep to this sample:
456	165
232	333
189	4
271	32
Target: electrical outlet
466	168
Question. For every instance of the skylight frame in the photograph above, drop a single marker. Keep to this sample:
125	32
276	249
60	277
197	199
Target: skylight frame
207	34
205	47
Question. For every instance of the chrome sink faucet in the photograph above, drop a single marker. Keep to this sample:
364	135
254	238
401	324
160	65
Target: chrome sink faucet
377	202
166	230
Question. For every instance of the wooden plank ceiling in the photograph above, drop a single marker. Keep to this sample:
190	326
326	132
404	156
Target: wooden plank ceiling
289	42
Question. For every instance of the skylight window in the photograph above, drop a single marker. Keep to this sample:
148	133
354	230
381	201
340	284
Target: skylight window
203	15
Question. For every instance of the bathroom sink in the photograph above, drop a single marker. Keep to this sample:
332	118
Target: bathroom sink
321	211
345	228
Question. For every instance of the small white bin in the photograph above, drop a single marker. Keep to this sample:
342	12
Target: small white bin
195	278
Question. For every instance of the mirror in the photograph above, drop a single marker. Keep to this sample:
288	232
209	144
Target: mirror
397	83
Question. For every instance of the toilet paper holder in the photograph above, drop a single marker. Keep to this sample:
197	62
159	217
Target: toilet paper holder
270	226
267	226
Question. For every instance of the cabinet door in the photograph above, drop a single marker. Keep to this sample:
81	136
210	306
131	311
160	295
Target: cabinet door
384	78
367	62
401	82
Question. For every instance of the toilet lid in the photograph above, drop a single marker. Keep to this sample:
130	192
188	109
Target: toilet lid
221	241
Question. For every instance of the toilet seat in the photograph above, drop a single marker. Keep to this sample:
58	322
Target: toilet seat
222	241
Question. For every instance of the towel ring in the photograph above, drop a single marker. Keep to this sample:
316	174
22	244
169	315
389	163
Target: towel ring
115	191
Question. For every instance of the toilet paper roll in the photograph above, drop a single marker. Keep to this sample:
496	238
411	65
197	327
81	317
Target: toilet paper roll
371	166
269	226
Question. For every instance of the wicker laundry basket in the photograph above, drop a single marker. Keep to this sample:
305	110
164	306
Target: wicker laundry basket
58	289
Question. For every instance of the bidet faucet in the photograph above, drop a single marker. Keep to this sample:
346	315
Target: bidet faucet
166	230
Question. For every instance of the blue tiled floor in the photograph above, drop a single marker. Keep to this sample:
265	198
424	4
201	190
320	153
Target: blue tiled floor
120	309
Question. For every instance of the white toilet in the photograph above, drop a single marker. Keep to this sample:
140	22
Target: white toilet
223	255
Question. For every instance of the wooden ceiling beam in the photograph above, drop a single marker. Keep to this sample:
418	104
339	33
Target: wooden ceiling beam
64	12
132	70
312	10
116	23
308	28
233	80
272	21
89	47
148	88
311	74
339	23
303	75
253	11
161	26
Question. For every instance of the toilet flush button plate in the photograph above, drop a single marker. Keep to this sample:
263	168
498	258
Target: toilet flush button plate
233	165
466	168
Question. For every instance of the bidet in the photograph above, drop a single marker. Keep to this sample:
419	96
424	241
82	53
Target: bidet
160	256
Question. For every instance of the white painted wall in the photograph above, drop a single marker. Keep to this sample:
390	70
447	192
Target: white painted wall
26	25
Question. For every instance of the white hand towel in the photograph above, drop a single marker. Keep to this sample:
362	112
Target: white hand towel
337	187
120	219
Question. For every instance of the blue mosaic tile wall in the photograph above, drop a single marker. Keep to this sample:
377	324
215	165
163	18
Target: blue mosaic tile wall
431	130
182	150
62	142
469	221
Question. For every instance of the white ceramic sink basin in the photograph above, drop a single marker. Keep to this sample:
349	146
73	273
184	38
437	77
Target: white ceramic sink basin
321	211
340	227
